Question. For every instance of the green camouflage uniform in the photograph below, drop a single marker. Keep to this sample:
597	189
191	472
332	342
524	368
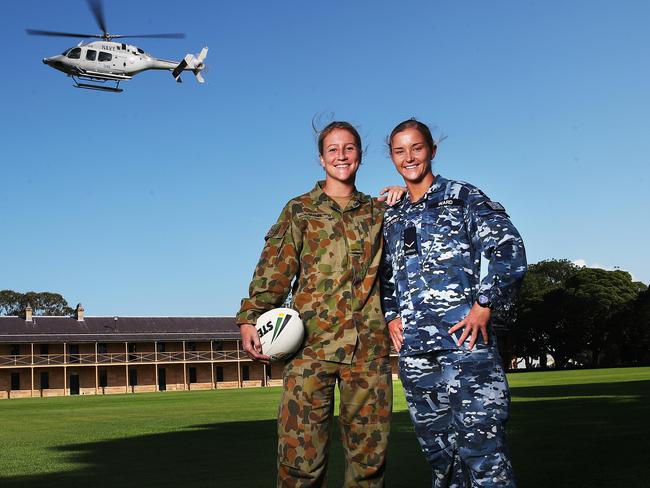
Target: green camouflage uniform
334	256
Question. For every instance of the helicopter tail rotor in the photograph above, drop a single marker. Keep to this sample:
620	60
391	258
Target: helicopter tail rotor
191	63
200	66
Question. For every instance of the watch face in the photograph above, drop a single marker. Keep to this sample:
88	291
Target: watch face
483	300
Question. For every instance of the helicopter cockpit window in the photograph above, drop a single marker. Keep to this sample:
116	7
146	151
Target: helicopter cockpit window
65	52
91	55
104	56
74	53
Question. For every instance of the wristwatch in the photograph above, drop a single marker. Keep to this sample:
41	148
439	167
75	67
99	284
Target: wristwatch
483	301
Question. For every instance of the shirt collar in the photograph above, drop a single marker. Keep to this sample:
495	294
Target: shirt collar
321	198
438	185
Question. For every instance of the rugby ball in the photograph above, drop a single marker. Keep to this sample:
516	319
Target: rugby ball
281	332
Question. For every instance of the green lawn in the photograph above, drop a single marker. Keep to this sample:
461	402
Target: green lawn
567	429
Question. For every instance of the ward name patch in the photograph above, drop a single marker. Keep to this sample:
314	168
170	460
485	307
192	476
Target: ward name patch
448	202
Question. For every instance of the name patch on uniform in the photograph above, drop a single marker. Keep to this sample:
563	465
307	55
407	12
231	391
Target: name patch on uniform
410	238
316	215
496	206
449	202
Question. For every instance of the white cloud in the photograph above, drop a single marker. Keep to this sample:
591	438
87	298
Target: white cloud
580	263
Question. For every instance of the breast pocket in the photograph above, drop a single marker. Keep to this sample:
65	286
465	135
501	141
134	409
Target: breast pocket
323	245
443	237
395	247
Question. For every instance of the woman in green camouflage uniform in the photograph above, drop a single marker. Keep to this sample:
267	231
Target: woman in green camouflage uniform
326	248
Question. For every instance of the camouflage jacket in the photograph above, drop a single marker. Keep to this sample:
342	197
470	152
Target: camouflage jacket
329	259
432	262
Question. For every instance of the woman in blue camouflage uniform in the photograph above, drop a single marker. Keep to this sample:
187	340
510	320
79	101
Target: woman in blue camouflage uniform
438	313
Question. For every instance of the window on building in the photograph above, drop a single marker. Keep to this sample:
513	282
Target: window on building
192	374
133	377
132	348
191	346
91	55
102	348
74	53
245	373
103	378
15	350
104	56
219	373
217	346
160	347
15	381
73	353
45	349
45	380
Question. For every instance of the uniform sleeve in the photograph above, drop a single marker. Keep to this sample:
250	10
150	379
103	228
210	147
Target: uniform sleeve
389	303
275	271
498	240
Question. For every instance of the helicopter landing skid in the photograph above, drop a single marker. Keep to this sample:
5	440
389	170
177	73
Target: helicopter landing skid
95	86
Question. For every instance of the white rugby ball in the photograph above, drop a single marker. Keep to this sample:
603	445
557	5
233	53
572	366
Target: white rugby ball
281	332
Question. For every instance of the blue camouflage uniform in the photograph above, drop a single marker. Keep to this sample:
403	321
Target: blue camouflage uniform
458	399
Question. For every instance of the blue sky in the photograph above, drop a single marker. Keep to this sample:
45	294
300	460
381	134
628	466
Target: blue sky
155	201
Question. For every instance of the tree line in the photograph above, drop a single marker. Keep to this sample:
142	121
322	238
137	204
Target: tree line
576	316
42	303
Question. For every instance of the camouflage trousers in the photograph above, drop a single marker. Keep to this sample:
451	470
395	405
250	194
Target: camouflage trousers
305	417
459	401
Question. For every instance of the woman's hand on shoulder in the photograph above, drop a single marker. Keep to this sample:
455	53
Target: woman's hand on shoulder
391	194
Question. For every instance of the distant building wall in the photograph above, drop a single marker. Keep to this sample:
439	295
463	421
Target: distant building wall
70	365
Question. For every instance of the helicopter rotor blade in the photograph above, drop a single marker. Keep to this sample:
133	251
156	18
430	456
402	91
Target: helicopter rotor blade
37	32
173	35
97	8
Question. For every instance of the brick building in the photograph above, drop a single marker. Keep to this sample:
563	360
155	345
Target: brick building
78	355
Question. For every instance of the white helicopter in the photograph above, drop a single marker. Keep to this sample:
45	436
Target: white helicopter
99	62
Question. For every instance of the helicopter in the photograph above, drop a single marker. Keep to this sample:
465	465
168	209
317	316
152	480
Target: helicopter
102	65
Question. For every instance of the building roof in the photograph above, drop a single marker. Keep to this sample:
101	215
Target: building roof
116	329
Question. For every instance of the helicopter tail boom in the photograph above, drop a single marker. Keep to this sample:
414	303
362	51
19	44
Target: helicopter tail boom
193	64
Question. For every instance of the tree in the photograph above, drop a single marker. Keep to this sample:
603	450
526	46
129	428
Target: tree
596	297
551	273
555	319
537	312
631	332
42	303
576	315
10	302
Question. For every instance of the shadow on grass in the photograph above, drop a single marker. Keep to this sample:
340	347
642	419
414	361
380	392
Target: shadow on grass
593	435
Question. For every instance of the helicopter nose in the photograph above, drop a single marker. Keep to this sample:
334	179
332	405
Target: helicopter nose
53	62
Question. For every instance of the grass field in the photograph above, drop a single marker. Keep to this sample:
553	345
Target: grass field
567	429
